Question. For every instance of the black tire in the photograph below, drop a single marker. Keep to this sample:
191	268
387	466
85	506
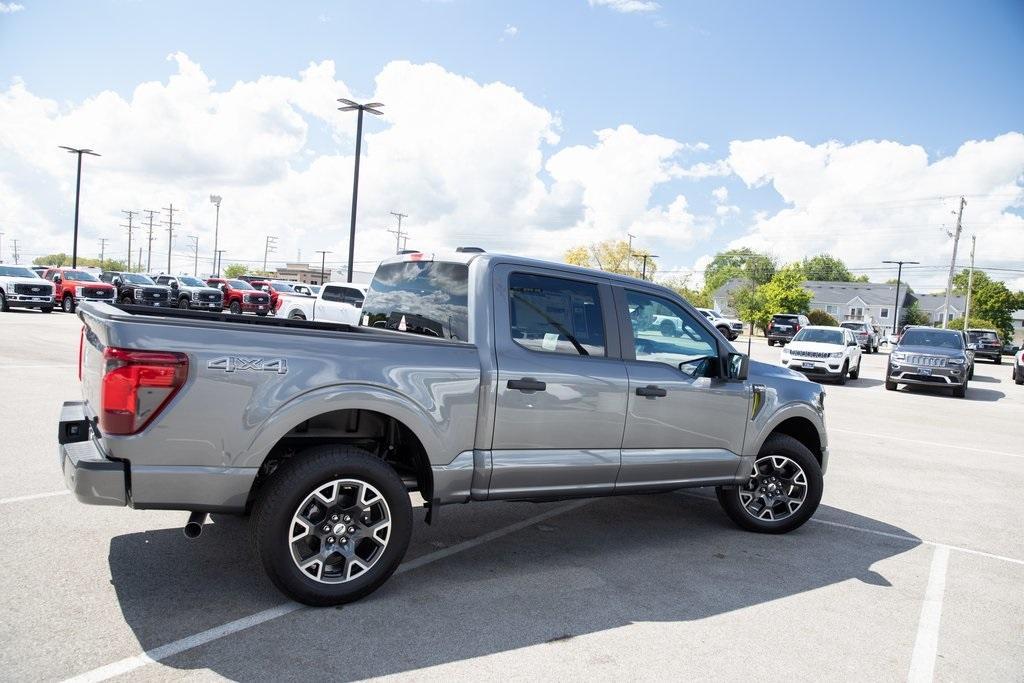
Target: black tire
771	343
855	374
889	384
668	328
960	391
726	332
296	315
1018	376
970	373
3	303
999	360
67	304
281	496
47	309
184	303
785	445
841	380
235	308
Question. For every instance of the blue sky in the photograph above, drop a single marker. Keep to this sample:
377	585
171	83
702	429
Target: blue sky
934	74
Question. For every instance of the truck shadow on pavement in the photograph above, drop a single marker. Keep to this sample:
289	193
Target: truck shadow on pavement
604	565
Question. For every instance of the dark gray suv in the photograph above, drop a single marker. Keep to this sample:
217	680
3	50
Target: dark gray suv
930	357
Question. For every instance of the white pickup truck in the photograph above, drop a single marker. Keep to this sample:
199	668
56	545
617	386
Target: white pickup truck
337	302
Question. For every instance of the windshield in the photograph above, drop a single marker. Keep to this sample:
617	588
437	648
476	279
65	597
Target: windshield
420	297
239	284
17	271
78	276
819	336
944	339
191	281
136	279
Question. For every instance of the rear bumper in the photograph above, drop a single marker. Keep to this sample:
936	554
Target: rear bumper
91	476
988	354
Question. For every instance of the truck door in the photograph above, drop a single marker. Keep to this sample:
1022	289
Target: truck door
685	422
561	391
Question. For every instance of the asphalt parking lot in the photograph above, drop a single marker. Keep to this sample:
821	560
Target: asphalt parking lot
912	567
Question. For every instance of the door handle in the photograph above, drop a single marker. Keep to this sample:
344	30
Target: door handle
651	391
527	384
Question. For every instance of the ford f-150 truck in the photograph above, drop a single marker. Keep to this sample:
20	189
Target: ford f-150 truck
241	297
471	377
72	287
138	289
338	302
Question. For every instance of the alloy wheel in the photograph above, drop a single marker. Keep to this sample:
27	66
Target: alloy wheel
339	531
776	490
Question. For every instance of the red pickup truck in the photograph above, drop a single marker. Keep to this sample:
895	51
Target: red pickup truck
266	286
72	286
241	297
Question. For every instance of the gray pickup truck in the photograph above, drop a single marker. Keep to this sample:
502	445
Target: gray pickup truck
470	377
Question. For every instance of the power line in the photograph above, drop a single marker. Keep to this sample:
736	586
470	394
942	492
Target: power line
267	248
131	228
170	232
400	237
103	250
149	251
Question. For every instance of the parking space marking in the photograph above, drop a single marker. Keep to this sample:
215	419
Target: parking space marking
36	366
922	662
926	443
162	652
34	496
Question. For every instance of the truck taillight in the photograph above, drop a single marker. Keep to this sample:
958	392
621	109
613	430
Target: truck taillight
280	302
136	386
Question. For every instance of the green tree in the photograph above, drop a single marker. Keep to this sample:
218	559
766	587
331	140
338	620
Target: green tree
913	315
749	303
234	270
991	300
681	286
819	317
743	263
972	323
613	256
826	268
785	293
63	259
57	260
904	284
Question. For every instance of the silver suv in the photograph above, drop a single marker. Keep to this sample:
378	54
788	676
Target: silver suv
931	357
866	334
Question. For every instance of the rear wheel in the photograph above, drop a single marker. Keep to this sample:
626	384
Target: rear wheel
67	304
332	525
783	492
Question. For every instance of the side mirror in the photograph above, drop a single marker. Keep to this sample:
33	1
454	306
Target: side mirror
173	284
57	278
116	282
738	366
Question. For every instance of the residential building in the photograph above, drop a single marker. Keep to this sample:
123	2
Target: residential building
933	306
859	301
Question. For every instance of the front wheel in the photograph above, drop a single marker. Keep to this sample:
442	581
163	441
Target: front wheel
296	315
960	391
855	374
783	492
47	309
841	380
331	525
68	304
126	300
3	303
1018	376
235	308
999	360
184	303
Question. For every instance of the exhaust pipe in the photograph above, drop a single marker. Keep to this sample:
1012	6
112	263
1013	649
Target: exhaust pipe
194	525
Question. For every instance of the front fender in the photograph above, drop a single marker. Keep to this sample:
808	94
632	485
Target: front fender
433	433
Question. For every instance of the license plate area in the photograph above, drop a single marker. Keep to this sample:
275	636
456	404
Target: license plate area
807	365
925	371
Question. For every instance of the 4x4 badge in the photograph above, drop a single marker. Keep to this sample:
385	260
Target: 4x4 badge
236	363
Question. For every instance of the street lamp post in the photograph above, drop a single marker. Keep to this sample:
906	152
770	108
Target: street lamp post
219	258
78	192
215	200
373	108
896	308
323	263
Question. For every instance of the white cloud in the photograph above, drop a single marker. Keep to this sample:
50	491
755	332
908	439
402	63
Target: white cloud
721	194
876	200
510	31
627	6
10	7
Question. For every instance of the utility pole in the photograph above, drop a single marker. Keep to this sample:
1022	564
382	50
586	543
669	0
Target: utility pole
896	308
644	256
215	200
630	250
1	247
373	108
268	247
170	233
219	261
130	227
14	251
970	282
195	255
952	262
323	262
103	250
149	251
398	233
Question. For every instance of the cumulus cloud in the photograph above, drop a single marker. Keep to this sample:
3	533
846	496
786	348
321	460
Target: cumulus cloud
627	6
10	7
510	31
876	200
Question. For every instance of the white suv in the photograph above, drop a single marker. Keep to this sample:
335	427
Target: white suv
824	352
730	327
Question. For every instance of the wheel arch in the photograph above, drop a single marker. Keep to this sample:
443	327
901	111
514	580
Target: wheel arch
804	431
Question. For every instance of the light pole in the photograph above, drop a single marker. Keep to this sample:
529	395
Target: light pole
1	247
373	108
219	259
78	193
644	256
896	308
215	200
323	262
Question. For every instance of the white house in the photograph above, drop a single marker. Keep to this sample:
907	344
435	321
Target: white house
934	304
859	301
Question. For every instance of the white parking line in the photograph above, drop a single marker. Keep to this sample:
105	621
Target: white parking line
927	443
34	496
36	366
922	663
157	654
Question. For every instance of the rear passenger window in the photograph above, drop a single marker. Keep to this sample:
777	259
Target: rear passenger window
333	294
555	315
